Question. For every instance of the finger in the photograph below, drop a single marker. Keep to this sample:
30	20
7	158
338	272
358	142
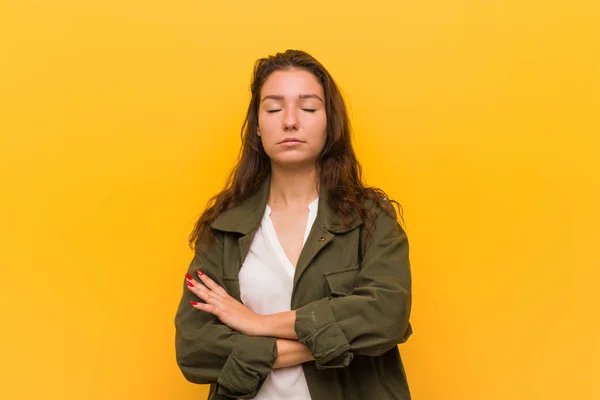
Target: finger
212	285
203	307
201	291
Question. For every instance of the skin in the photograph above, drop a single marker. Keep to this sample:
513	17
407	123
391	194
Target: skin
292	105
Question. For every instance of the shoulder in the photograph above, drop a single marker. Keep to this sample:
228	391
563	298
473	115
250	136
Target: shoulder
384	216
380	204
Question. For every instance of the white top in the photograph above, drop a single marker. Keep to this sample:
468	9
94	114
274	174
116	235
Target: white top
266	280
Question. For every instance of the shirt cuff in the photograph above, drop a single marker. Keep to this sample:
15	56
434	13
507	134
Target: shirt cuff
318	330
247	367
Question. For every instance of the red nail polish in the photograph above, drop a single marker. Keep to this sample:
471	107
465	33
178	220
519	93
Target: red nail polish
188	276
200	273
189	284
194	302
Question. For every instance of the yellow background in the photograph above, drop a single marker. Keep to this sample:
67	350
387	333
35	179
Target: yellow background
119	119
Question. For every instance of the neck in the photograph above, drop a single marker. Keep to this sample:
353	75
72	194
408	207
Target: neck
293	188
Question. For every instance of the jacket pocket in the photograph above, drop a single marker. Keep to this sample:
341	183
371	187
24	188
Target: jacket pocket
232	287
342	282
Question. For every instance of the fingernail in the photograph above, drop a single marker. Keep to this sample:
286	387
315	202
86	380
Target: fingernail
188	276
200	273
194	302
189	283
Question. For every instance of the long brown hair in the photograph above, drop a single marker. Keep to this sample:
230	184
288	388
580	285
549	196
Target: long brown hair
340	172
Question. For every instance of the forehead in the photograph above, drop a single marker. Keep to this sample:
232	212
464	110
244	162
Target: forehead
291	83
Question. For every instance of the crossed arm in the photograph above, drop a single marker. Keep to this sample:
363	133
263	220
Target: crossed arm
218	339
240	318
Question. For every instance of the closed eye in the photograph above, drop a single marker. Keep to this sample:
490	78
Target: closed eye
311	110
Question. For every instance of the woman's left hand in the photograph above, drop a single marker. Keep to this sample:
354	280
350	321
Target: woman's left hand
219	303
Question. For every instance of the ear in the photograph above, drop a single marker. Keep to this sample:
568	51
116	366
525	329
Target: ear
258	131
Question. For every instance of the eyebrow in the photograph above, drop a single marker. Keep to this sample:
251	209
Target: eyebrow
301	97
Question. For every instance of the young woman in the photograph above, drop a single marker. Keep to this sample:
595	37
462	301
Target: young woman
300	286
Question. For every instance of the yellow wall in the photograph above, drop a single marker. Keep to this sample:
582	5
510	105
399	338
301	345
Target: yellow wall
118	119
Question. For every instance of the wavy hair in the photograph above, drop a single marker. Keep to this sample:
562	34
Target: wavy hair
339	170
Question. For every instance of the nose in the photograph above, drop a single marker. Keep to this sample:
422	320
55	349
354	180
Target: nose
290	127
290	122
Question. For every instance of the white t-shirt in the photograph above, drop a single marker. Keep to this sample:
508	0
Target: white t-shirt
266	281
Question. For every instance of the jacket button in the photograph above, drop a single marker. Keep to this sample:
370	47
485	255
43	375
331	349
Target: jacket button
322	239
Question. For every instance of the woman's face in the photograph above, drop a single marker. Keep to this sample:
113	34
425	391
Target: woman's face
291	118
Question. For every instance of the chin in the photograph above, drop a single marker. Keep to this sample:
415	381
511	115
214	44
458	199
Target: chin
293	162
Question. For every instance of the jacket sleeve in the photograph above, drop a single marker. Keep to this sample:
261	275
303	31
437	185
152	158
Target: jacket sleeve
375	316
208	351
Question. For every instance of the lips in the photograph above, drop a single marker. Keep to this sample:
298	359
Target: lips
291	140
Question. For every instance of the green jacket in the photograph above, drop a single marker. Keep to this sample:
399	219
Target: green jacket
352	305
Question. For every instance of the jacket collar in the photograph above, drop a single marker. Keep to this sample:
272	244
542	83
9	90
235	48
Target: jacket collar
246	217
